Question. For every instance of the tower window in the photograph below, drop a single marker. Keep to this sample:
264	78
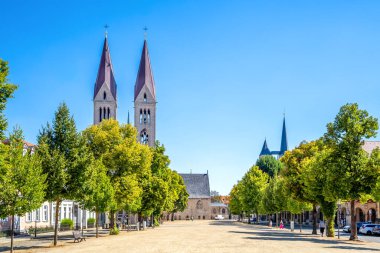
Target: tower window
104	113
104	96
109	112
148	116
145	97
145	117
100	114
141	116
144	137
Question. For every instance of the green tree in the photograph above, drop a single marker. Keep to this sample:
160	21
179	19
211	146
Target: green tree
59	147
295	171
21	180
236	200
254	182
128	162
6	91
97	190
351	174
269	165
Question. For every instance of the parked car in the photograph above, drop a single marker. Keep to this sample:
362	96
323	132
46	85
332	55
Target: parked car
376	230
347	229
360	224
367	229
219	217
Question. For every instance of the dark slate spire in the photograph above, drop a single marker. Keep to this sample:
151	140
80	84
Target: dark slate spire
145	75
284	139
128	118
105	72
265	150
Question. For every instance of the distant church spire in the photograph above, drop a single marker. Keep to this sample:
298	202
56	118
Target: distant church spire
128	118
284	139
265	150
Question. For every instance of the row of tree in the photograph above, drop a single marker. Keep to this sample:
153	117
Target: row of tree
104	168
332	169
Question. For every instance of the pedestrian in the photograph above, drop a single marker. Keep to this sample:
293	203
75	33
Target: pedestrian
322	227
270	223
281	224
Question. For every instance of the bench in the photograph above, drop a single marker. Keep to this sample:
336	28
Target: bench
78	237
131	227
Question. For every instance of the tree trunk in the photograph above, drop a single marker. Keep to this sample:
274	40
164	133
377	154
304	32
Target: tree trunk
97	223
300	220
12	231
57	203
354	232
330	227
314	220
276	219
112	219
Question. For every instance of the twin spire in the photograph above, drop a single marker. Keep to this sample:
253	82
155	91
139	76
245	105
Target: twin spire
284	144
106	76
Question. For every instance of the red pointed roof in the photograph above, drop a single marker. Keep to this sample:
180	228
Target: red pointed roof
105	72
145	75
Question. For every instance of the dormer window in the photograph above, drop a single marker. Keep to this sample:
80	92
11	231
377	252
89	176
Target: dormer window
104	96
145	97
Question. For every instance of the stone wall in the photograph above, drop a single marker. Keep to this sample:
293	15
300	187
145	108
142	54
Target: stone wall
198	208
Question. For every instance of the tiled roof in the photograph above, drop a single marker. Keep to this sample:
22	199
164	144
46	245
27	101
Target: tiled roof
145	75
197	185
368	146
105	72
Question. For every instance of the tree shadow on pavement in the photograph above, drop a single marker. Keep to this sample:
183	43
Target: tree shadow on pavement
275	235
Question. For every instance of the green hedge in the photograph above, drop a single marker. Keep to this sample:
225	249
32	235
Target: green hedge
91	221
40	230
67	224
114	231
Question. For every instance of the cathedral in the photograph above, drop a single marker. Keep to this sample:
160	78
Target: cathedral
105	95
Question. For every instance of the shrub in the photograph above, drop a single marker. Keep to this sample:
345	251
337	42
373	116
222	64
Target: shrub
67	223
91	221
40	229
114	231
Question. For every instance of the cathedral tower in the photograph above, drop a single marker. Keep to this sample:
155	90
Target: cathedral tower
145	100
105	102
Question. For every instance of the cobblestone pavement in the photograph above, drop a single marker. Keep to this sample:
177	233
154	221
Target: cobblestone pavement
210	236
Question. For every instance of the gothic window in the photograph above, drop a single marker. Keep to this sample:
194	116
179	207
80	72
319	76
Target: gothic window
223	211
148	116
104	96
199	204
141	116
144	137
145	116
145	97
109	112
104	113
100	114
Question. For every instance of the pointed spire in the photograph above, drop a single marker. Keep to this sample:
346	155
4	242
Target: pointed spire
265	150
284	139
128	118
145	75
105	72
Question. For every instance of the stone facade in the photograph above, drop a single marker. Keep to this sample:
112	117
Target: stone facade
198	208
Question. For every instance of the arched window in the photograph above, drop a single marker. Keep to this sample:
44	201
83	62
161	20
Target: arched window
104	96
109	112
148	116
199	204
223	211
100	114
144	137
145	116
145	97
140	116
104	113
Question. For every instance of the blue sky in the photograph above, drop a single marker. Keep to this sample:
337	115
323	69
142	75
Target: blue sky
225	71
